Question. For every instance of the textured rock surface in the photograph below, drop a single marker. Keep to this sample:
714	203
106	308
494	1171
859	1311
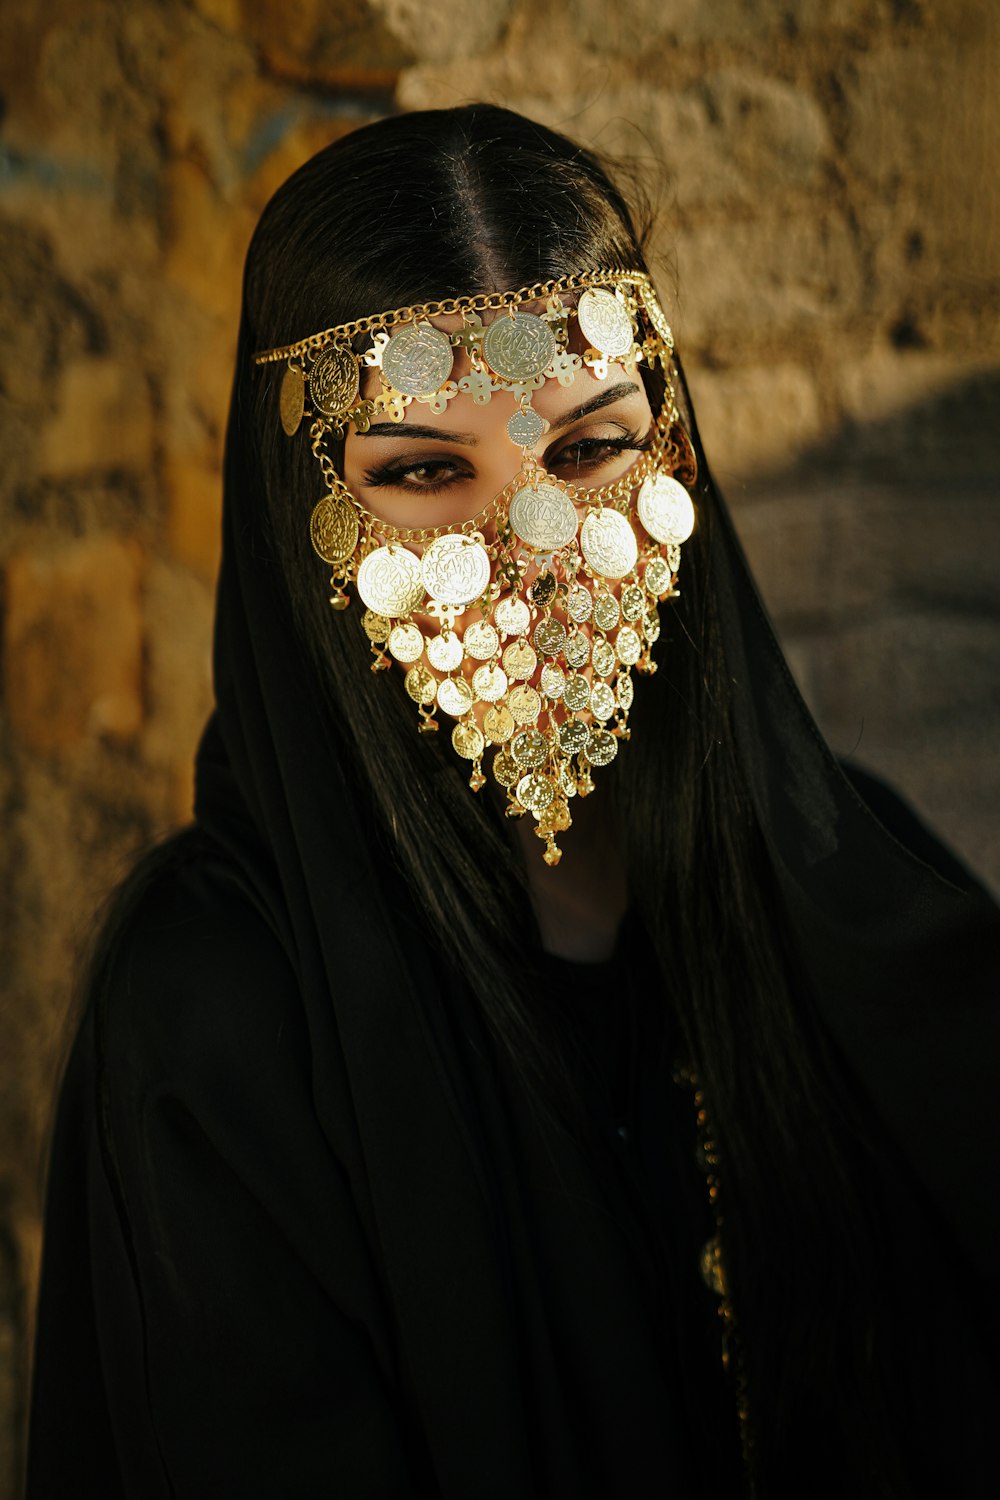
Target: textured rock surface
829	237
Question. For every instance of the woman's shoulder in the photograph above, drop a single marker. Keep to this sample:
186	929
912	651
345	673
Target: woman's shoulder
189	976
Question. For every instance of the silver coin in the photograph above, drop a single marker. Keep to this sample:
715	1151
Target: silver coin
512	616
576	652
389	581
601	748
604	658
489	683
518	347
481	641
454	696
444	652
417	360
576	693
543	516
609	543
456	569
573	735
406	643
665	509
605	323
602	701
525	427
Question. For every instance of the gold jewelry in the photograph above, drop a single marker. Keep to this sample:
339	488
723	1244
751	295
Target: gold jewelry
563	606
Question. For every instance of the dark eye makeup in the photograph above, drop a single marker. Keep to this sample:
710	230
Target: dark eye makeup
429	475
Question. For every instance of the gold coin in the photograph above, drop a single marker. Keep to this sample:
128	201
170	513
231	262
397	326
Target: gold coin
498	725
601	748
535	792
524	703
376	627
512	616
406	643
605	323
602	701
444	652
606	611
519	347
626	691
609	543
489	683
334	380
421	685
651	627
543	590
417	360
481	641
549	637
468	741
456	569
389	581
334	530
665	509
519	661
530	748
604	659
552	680
656	578
292	400
576	693
454	696
573	735
633	603
579	604
576	651
628	647
673	557
543	516
505	768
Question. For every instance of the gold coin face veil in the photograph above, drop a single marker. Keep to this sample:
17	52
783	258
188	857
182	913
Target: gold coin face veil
521	626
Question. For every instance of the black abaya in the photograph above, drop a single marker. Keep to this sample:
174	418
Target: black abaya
305	1232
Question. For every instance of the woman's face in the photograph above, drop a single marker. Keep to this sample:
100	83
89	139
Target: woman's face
439	469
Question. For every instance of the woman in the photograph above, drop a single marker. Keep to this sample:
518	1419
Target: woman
410	1148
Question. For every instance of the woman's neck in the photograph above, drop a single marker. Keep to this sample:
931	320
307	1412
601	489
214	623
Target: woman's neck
579	904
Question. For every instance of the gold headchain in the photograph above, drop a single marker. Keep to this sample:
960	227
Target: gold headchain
576	604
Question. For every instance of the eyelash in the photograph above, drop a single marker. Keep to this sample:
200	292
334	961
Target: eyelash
392	476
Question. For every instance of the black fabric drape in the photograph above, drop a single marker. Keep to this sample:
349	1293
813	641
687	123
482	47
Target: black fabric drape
306	1233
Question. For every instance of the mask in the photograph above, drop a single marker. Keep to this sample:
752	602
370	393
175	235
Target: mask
522	625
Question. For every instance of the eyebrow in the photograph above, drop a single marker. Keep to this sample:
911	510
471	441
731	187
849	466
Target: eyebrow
419	433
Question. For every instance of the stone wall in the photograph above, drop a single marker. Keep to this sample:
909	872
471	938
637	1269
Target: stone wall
829	238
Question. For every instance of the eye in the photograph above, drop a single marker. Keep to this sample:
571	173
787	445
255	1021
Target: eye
584	454
424	476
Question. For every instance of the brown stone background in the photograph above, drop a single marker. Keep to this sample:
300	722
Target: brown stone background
829	171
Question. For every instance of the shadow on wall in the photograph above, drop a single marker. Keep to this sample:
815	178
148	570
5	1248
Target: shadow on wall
878	556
